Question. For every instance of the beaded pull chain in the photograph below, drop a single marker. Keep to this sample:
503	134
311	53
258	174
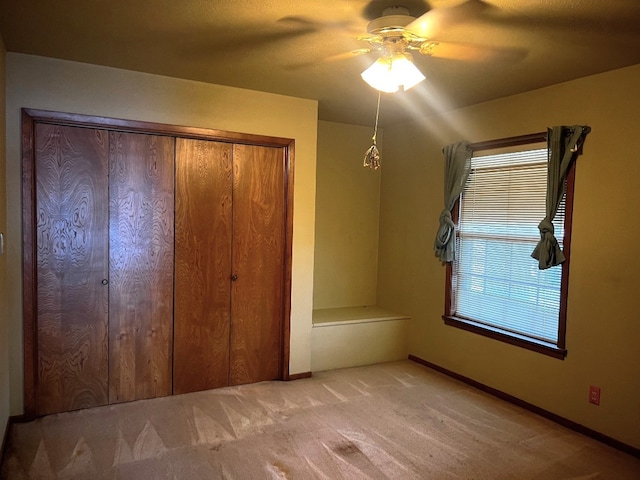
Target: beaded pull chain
372	155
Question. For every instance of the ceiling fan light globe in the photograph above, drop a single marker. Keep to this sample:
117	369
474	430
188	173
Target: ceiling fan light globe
406	74
379	76
388	74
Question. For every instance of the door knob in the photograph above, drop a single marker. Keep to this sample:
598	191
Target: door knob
104	281
234	277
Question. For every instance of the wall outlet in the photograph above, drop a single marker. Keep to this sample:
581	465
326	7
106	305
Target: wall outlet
594	395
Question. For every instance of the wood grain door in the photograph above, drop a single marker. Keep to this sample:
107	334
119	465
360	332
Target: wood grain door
258	263
72	260
98	259
203	265
141	209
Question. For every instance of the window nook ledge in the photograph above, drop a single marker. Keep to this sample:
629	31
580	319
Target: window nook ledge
354	336
328	317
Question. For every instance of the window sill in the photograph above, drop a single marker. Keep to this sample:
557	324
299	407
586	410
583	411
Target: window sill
512	339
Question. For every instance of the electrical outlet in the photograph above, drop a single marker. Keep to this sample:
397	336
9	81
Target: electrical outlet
594	395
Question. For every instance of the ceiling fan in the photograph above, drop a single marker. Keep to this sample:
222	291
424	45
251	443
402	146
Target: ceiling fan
396	33
392	36
398	28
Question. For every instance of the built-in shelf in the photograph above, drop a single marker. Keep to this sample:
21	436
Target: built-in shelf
327	317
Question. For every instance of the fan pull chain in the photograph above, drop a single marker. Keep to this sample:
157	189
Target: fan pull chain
372	155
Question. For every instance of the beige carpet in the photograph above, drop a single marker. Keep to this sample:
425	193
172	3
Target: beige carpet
391	421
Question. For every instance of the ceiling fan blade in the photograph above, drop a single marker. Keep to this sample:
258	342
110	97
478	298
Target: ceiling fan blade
468	52
333	58
238	40
318	25
347	55
438	19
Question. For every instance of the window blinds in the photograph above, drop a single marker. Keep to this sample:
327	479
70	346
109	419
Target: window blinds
497	282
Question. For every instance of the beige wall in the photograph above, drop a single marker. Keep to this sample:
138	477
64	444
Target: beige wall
4	340
347	209
50	84
603	331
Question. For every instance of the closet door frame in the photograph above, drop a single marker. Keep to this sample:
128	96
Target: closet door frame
30	118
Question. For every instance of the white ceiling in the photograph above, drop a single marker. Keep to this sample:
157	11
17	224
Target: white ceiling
282	46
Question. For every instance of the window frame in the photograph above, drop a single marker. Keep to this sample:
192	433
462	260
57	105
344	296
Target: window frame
554	350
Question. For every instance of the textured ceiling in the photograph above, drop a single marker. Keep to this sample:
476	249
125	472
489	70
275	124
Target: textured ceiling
290	46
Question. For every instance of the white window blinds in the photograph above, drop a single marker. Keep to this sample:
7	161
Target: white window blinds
497	283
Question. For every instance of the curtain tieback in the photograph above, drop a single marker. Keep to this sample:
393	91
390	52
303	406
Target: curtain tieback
545	226
547	251
445	230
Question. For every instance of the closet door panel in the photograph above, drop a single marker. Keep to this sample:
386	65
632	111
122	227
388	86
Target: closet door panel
72	260
141	210
203	265
258	263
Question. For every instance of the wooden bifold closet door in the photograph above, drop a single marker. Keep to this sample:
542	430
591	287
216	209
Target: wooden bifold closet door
157	260
104	242
203	265
141	227
258	251
72	261
230	233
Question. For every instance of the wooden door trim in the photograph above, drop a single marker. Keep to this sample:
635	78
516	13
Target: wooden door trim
136	126
288	253
30	117
29	292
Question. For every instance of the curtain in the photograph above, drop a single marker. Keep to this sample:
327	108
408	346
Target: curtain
457	157
564	145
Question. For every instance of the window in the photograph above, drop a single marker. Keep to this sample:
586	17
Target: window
494	287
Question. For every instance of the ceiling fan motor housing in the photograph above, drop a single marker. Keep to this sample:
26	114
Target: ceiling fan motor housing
392	18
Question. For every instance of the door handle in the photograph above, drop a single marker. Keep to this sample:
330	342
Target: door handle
104	281
234	277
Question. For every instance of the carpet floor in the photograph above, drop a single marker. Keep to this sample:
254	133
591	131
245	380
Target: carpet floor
391	421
